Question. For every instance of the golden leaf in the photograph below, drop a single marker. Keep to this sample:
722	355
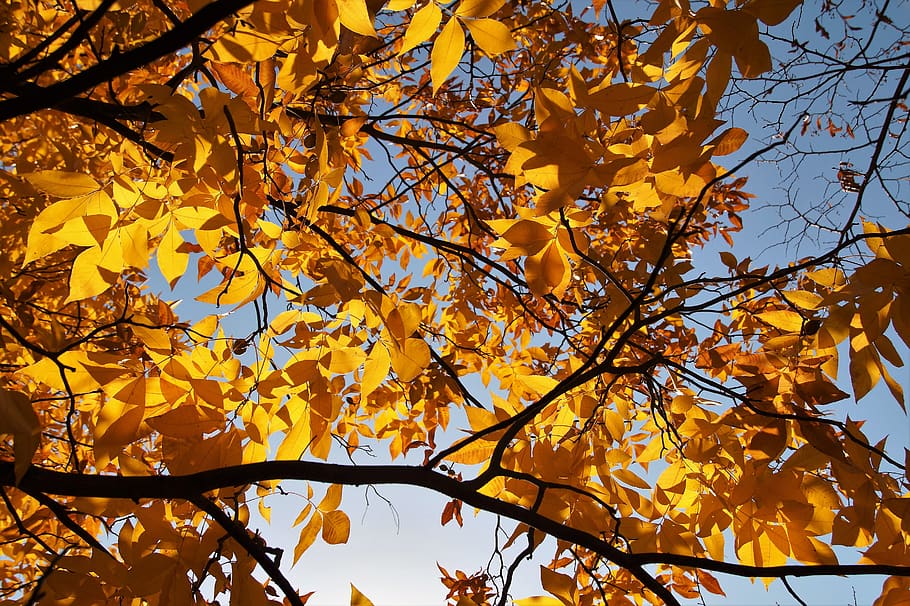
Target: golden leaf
409	358
478	8
493	37
376	369
423	25
63	184
446	53
308	535
336	527
355	16
358	599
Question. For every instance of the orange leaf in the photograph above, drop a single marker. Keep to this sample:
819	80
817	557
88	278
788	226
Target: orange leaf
336	527
729	141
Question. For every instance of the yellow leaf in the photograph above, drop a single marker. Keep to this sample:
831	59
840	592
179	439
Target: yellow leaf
171	259
62	223
423	25
336	527
757	549
527	237
830	276
627	477
865	371
446	53
236	78
92	272
117	425
239	289
622	99
63	184
786	320
556	161
511	134
358	599
477	9
17	417
803	299
185	422
479	418
298	73
355	16
375	369
546	270
331	500
474	453
349	129
342	360
680	152
614	423
554	265
718	75
707	581
244	46
560	585
409	361
689	64
296	441
493	37
308	535
677	184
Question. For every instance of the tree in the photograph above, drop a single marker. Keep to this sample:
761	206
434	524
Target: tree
388	221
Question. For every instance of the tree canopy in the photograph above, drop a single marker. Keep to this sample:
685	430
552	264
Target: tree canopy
512	246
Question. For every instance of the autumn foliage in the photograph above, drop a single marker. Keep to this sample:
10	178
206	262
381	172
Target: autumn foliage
496	241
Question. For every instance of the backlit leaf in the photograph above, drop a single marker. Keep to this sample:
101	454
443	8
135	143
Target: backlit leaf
358	599
491	36
308	535
446	53
63	184
423	25
729	141
355	16
336	527
478	8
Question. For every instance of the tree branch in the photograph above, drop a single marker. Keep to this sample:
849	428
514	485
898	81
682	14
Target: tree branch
171	41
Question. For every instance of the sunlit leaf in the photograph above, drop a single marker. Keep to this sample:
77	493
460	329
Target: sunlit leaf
447	51
491	36
336	527
423	25
62	184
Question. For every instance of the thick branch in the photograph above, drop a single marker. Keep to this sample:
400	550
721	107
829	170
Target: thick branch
189	486
109	69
